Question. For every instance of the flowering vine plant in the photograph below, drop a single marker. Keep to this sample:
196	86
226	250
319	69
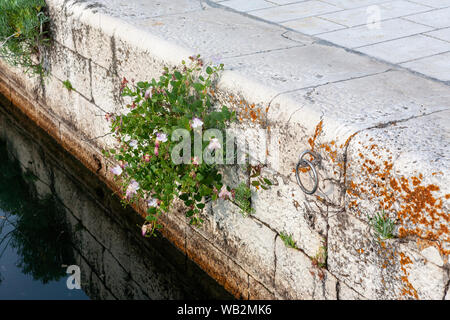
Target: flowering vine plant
179	105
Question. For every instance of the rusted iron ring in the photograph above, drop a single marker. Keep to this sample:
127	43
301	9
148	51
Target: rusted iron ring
303	163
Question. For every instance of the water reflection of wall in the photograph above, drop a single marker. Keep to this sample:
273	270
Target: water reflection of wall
115	261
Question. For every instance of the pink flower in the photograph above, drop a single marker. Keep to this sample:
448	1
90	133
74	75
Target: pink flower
214	144
110	116
148	93
156	149
196	123
133	144
132	189
123	164
224	193
123	84
146	157
195	161
152	202
162	137
144	229
117	170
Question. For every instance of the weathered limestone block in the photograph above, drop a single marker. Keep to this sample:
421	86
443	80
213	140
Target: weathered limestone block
105	89
404	172
295	138
347	106
66	64
138	63
344	292
243	239
142	9
303	66
212	26
60	101
297	277
257	291
427	280
286	209
17	78
82	30
390	269
211	258
86	118
432	254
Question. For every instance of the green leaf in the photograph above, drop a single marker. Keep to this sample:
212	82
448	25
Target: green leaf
184	196
178	75
200	205
199	87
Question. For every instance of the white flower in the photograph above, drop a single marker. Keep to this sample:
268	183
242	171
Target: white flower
117	170
214	144
196	123
132	189
133	144
162	137
152	202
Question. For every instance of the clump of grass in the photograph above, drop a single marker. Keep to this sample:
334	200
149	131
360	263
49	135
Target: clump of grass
320	259
242	198
23	34
68	85
382	225
288	241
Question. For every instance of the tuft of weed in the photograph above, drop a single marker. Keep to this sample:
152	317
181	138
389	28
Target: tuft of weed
288	241
382	225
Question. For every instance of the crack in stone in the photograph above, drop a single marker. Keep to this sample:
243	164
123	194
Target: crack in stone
446	289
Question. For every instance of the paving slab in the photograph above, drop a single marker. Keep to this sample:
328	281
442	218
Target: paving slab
294	11
312	25
434	3
247	5
137	9
406	49
363	36
436	66
350	4
436	18
442	34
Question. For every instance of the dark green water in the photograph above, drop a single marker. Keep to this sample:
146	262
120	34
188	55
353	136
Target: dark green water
34	244
55	213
